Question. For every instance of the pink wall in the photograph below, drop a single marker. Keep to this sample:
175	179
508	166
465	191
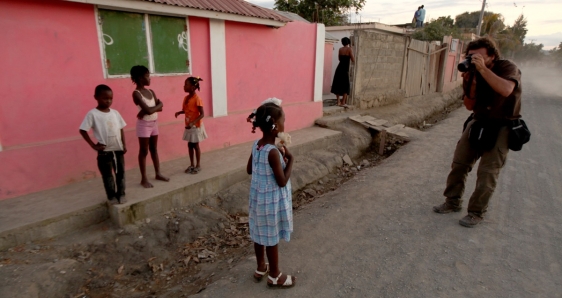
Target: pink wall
269	62
53	64
450	80
327	80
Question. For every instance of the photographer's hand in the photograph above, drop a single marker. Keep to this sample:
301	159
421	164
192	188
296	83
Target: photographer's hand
500	85
479	62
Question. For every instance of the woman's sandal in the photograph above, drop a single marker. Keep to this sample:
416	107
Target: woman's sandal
258	275
287	284
189	170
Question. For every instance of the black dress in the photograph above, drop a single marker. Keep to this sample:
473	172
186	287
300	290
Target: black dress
340	85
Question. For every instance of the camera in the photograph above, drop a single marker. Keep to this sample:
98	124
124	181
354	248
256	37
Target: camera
466	65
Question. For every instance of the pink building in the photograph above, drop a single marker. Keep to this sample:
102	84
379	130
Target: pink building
55	52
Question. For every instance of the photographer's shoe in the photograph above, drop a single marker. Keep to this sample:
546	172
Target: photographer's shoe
446	208
470	220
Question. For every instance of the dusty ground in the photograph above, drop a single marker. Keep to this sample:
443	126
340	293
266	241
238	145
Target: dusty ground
435	118
377	236
174	255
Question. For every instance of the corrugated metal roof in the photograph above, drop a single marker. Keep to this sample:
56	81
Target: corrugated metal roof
290	15
331	37
239	7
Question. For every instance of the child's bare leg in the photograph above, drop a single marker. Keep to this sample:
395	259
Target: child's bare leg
273	258
338	100
344	99
191	154
143	152
153	147
190	150
260	258
197	155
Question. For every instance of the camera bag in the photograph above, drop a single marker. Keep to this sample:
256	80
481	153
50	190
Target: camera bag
483	134
519	134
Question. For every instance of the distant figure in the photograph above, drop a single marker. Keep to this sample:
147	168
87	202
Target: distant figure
421	17
194	132
340	84
416	16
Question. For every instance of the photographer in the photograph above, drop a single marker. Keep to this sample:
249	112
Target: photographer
492	90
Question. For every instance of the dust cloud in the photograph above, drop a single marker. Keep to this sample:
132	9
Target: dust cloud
545	79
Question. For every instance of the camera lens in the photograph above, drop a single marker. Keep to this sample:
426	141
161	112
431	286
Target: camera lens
464	66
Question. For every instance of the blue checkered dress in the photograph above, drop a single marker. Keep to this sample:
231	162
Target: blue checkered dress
271	206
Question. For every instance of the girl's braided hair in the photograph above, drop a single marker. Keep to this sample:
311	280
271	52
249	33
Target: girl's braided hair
266	116
194	81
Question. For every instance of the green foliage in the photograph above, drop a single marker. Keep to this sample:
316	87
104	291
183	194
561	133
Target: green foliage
530	52
555	55
329	12
492	23
469	19
510	40
435	30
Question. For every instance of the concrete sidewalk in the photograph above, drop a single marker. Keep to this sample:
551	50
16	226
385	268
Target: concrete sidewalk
58	211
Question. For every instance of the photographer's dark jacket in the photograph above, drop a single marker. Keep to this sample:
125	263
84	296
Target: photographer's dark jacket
489	104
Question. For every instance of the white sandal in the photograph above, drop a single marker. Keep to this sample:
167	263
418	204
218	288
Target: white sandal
287	284
261	273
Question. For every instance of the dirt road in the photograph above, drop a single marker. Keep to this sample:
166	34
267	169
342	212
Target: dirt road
377	237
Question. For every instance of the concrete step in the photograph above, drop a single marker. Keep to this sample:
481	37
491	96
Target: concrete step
58	211
382	125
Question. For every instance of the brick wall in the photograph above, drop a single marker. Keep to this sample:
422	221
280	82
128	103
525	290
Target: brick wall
379	64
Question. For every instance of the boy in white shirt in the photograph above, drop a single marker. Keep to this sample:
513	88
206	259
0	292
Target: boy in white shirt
108	130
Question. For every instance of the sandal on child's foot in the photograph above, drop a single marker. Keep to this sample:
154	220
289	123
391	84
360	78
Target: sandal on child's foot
113	201
258	275
289	281
189	170
196	170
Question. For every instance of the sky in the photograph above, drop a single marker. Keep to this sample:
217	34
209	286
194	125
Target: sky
544	17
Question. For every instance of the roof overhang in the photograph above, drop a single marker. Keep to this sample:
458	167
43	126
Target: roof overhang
163	9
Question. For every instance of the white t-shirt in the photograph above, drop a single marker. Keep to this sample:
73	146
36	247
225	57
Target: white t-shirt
107	128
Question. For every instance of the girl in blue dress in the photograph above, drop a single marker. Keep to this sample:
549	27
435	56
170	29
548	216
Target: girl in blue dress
270	211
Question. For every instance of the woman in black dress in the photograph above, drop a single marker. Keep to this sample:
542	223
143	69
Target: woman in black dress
340	85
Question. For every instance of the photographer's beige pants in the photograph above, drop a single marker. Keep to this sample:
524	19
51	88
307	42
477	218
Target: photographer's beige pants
488	172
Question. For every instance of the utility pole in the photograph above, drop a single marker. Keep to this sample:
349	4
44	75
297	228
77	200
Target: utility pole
481	18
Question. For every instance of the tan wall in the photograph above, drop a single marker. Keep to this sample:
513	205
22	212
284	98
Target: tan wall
379	64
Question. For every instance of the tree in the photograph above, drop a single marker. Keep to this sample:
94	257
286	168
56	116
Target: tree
329	12
435	30
510	40
530	52
492	23
555	55
469	19
519	28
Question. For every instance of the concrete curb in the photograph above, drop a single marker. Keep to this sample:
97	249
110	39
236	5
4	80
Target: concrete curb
409	112
52	227
197	192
